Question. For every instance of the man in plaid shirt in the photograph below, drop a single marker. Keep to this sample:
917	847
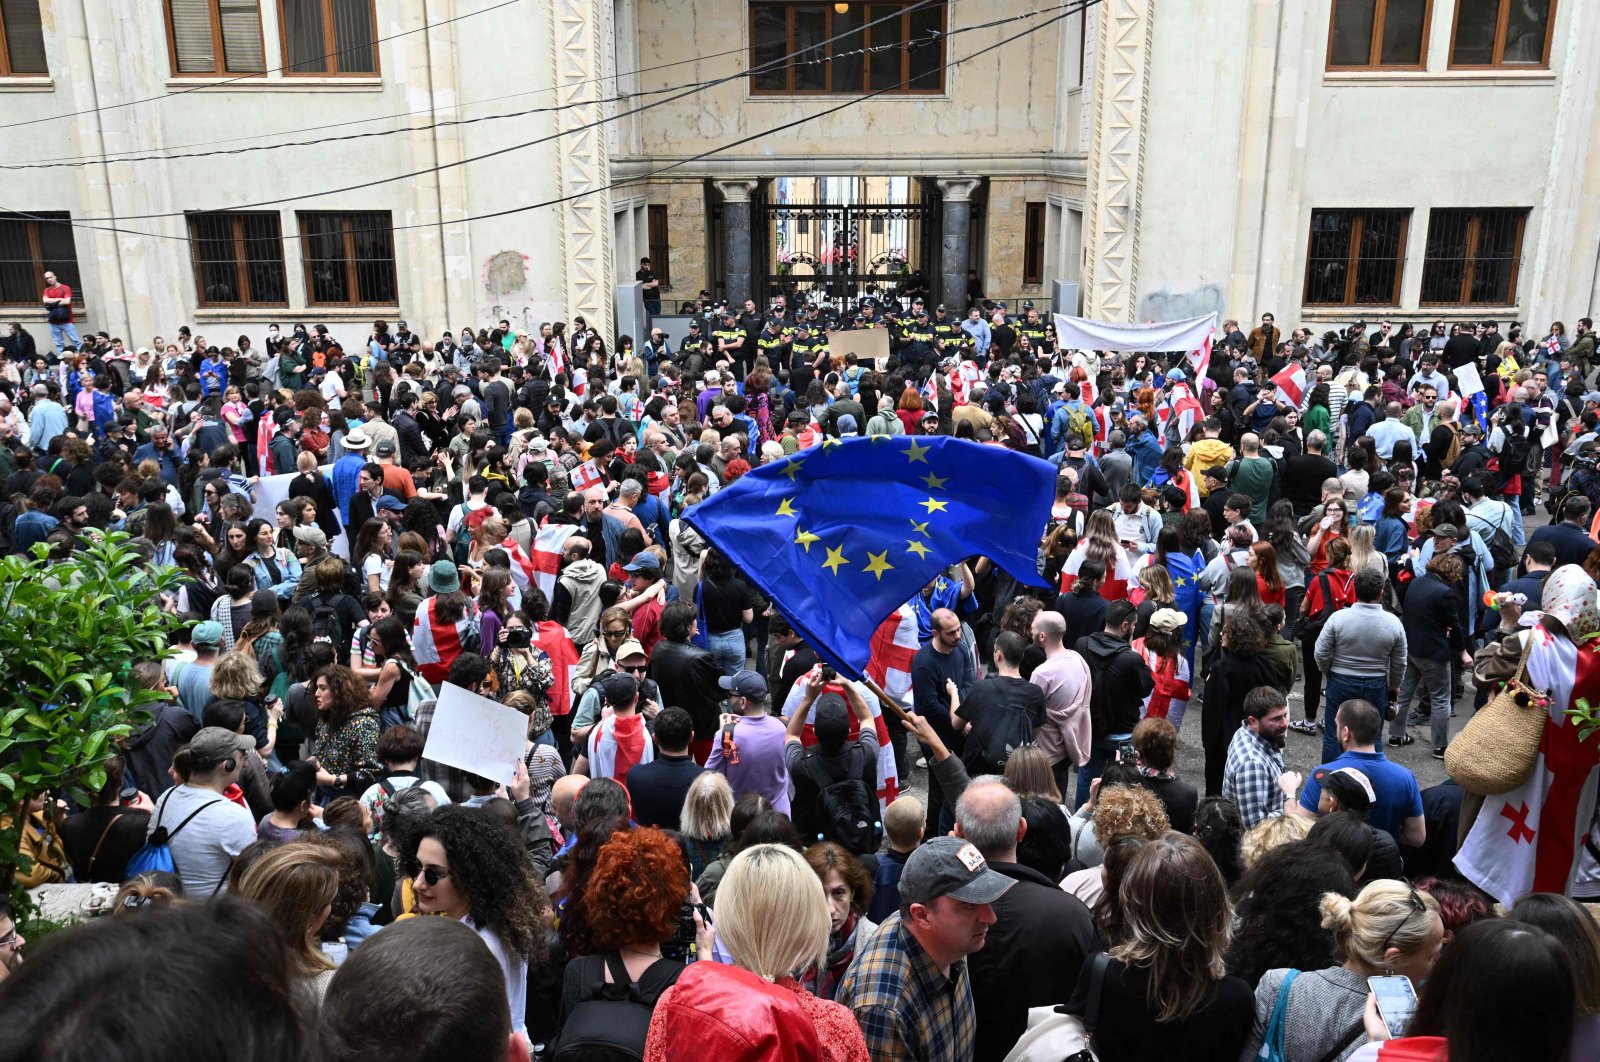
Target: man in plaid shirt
909	987
1254	777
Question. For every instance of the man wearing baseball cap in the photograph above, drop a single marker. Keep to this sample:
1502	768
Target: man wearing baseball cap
205	830
749	746
909	988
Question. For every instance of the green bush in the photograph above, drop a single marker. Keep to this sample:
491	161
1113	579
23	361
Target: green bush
70	634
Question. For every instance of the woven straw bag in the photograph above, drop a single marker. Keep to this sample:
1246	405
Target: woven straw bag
1496	750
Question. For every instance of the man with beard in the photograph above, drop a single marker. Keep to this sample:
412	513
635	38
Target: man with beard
1254	777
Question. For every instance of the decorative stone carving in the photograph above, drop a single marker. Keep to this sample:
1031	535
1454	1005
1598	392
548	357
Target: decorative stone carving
1116	157
581	36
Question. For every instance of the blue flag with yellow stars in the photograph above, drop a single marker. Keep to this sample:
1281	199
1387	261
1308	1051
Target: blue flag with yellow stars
840	535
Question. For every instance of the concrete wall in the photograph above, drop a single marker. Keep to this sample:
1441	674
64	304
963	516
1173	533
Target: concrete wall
1239	153
104	53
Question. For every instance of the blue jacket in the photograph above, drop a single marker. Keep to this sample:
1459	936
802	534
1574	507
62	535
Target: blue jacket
346	474
1146	454
105	412
31	527
169	462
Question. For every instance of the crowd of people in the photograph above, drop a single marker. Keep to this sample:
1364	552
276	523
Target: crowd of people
700	853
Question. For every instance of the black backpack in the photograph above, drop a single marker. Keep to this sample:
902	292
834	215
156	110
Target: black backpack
1514	453
1012	730
846	808
326	626
1310	626
610	1022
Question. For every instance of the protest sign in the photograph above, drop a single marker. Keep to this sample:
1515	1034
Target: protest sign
476	734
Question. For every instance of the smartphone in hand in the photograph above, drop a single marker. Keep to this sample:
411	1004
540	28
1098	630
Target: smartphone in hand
1397	1002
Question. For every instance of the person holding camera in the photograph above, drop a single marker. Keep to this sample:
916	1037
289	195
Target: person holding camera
517	664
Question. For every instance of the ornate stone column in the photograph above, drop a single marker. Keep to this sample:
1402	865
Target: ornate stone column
955	240
580	39
1116	158
736	222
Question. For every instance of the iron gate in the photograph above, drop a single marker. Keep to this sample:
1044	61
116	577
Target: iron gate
844	251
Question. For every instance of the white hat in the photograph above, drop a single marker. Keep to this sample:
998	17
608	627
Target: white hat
356	439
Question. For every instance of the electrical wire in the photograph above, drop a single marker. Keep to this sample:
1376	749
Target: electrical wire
210	85
1065	10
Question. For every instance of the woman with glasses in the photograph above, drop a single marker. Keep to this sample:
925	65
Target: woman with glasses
600	655
11	939
465	865
1390	928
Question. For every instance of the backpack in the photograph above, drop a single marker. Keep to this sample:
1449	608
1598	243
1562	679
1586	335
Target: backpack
1514	453
610	1022
1502	550
1079	424
326	626
1310	627
846	809
156	855
1012	731
420	694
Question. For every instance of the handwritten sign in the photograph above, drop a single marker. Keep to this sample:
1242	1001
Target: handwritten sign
476	734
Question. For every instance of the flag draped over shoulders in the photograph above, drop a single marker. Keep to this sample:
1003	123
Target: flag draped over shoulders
841	534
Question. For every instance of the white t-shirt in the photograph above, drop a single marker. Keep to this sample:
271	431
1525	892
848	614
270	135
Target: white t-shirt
376	565
204	849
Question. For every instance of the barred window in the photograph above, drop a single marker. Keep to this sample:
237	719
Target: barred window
1355	257
30	246
238	259
1473	257
349	258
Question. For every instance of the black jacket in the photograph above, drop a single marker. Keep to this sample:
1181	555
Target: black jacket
688	678
413	447
1034	951
1121	683
658	789
1432	619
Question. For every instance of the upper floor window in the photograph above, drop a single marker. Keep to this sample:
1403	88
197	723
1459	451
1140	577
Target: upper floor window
21	39
238	259
1496	33
30	247
215	36
1354	257
329	36
789	53
1379	34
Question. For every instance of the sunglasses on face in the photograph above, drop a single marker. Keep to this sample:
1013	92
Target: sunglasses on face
431	874
616	634
637	669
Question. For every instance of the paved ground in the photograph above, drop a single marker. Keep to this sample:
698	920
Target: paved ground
1303	751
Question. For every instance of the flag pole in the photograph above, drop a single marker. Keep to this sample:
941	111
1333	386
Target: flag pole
888	701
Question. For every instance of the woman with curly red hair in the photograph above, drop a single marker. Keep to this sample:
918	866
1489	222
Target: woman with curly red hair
633	898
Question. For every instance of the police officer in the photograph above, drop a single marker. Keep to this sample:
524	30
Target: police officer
917	340
944	326
808	357
730	341
769	344
1032	327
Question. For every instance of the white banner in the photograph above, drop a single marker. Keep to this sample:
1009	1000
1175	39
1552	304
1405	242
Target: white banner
476	734
1075	333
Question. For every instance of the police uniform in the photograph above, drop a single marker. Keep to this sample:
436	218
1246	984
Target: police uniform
916	341
944	327
769	345
1033	329
734	336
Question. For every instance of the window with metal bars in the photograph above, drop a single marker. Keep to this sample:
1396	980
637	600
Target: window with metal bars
1502	33
1033	245
660	256
215	37
349	258
29	246
899	55
322	37
1379	34
1473	257
238	259
1356	257
21	39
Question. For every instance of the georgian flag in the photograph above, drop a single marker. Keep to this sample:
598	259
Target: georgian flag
264	432
585	476
616	746
436	645
544	567
1101	416
1292	382
1179	403
930	391
1117	584
1200	359
553	638
555	358
580	381
1172	690
1529	840
893	645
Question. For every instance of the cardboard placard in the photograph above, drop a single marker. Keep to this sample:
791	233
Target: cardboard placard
476	734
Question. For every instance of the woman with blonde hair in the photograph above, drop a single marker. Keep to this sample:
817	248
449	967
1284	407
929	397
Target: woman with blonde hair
1389	928
1164	981
705	825
295	884
1272	833
772	919
1364	552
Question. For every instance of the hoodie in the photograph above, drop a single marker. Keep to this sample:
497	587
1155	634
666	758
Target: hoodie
577	604
1120	683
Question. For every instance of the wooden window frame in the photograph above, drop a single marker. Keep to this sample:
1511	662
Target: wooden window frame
218	52
1469	259
1033	226
351	263
1353	255
1498	61
5	56
241	258
32	230
828	89
330	45
660	260
1375	49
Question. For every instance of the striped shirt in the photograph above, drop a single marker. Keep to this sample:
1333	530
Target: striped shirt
907	1009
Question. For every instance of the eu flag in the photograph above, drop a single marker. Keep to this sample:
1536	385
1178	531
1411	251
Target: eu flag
842	534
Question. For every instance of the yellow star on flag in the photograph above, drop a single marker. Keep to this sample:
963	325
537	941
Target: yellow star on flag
1180	581
835	559
919	548
805	538
830	442
917	452
935	482
878	563
785	509
934	505
792	467
921	529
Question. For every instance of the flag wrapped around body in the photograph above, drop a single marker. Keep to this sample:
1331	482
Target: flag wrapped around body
841	535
